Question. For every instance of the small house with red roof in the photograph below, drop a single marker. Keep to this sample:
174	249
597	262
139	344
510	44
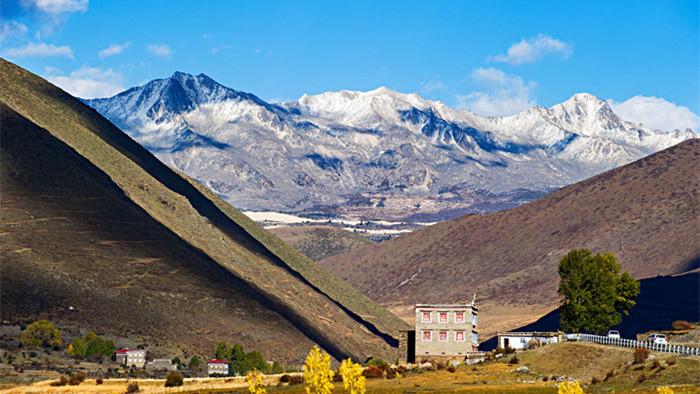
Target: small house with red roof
217	367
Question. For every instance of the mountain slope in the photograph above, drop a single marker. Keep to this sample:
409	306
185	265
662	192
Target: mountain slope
319	242
92	212
645	213
401	157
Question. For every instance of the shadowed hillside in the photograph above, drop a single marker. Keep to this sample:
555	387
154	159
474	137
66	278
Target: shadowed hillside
320	242
93	221
645	213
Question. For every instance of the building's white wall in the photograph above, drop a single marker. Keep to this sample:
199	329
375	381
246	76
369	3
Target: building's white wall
522	342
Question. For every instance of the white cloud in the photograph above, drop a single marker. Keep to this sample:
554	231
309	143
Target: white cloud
533	49
432	86
215	50
162	51
501	94
656	113
61	6
10	29
40	50
113	49
87	82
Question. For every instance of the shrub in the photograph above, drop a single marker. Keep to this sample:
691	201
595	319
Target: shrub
545	378
277	368
655	364
392	373
671	361
664	390
440	365
99	381
376	361
60	382
514	360
77	379
174	379
641	378
286	378
682	325
133	387
373	372
595	380
640	355
296	379
451	369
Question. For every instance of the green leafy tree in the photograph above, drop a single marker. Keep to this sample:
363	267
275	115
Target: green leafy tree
256	361
194	362
595	294
222	351
77	347
41	333
178	362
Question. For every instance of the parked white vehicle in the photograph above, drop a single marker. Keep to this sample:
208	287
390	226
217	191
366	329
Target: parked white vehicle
614	334
658	338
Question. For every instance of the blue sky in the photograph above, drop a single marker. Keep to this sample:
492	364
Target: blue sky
495	58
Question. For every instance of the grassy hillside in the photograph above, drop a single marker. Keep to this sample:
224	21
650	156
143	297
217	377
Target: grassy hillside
320	242
93	221
645	213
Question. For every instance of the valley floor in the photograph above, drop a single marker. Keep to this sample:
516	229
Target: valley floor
537	371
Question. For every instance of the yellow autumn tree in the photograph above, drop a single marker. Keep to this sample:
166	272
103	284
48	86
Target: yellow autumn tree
352	377
664	390
570	388
254	380
317	372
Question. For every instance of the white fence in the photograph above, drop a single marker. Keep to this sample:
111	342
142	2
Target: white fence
659	347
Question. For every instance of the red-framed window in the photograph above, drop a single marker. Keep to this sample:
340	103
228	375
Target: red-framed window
442	336
426	317
427	336
459	336
459	317
443	317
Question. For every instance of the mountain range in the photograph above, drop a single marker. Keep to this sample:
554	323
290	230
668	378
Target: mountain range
373	155
99	235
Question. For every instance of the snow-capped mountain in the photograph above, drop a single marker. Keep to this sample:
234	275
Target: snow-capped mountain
400	154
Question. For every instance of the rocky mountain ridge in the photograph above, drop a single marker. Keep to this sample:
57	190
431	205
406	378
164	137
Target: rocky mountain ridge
373	155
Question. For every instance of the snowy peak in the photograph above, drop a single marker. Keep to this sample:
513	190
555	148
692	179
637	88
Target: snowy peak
586	114
163	99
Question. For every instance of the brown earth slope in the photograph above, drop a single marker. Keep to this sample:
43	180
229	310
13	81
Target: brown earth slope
645	213
98	235
320	242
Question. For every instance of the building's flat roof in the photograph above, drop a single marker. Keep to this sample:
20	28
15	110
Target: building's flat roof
217	361
529	334
445	306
